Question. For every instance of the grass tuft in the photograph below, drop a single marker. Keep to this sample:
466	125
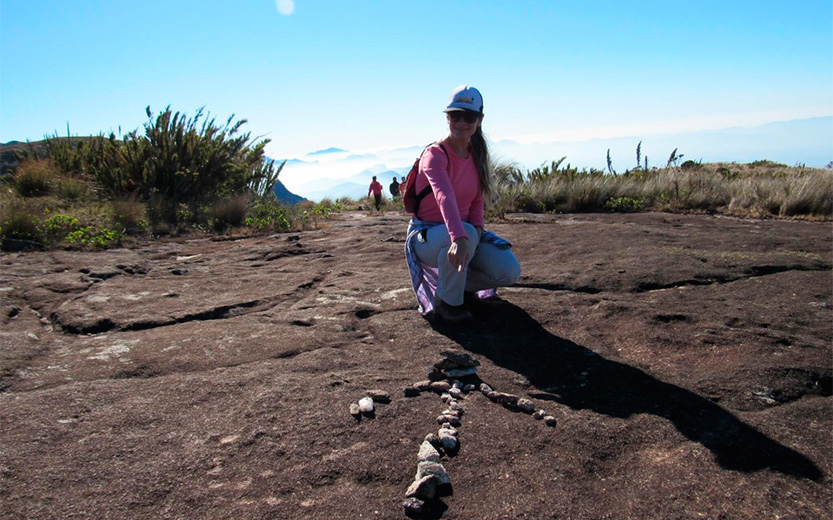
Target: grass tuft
35	178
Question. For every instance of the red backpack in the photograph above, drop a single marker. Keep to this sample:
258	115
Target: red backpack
410	197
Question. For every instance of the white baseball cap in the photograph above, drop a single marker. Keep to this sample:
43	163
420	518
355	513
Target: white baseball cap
465	97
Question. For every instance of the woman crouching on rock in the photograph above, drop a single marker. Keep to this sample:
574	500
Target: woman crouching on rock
450	256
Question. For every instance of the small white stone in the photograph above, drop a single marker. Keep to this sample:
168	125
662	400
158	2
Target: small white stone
365	405
354	409
540	414
456	393
457	384
485	388
550	420
469	388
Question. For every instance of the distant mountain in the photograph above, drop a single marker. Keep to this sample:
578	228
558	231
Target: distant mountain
300	161
362	157
353	190
328	150
286	196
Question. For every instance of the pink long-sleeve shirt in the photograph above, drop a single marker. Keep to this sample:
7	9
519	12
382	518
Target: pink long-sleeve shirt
456	189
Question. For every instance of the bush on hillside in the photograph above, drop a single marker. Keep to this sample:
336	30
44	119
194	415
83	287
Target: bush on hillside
176	160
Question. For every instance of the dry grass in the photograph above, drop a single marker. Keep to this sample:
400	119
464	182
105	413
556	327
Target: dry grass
36	178
762	189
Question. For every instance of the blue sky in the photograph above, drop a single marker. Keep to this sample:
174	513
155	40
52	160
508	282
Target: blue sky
363	75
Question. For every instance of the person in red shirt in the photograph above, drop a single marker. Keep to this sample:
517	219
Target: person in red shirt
376	188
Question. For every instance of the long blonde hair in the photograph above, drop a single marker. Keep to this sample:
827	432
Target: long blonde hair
480	153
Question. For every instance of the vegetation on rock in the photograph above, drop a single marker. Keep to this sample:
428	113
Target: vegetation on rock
185	173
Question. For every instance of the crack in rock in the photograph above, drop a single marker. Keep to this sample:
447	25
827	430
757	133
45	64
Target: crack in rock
751	272
217	313
560	287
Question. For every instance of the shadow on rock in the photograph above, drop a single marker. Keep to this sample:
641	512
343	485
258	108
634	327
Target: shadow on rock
577	377
433	509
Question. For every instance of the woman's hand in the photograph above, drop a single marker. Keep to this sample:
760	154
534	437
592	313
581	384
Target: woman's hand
458	253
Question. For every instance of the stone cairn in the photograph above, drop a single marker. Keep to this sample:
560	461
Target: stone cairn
431	480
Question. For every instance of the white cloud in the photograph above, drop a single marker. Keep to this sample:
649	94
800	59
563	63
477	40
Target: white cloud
738	138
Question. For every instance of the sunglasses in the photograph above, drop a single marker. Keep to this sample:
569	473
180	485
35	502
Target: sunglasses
468	117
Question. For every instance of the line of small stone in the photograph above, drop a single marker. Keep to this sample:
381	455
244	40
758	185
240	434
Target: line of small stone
431	480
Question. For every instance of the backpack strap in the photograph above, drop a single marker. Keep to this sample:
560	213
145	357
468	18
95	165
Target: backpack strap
426	190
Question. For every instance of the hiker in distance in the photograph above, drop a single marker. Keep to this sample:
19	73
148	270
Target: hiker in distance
451	258
376	188
394	188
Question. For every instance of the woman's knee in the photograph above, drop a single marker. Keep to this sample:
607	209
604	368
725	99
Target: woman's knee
471	232
512	269
506	270
501	266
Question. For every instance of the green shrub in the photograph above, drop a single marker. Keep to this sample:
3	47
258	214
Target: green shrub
764	163
691	165
95	238
19	223
528	204
624	205
56	228
269	216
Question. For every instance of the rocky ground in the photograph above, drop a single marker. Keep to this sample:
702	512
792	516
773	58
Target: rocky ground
685	362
